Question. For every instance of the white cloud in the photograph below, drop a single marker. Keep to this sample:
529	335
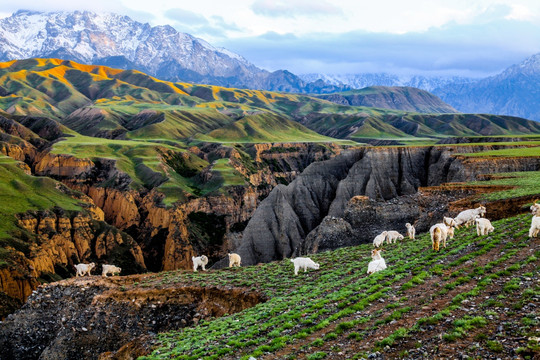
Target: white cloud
294	8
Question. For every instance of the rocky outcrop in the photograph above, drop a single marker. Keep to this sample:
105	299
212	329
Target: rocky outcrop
120	207
332	233
289	213
60	240
84	317
284	219
68	239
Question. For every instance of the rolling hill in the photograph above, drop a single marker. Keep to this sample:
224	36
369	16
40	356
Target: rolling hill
127	104
394	97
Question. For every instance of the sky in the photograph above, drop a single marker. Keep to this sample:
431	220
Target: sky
473	38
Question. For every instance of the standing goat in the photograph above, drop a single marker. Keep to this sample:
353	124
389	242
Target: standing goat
411	231
304	263
379	239
483	226
439	233
199	261
466	217
392	236
84	269
234	260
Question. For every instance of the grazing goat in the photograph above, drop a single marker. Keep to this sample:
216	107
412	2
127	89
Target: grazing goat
535	226
466	217
439	233
234	260
377	263
379	239
449	221
110	269
84	269
483	226
411	231
199	261
535	208
392	236
304	263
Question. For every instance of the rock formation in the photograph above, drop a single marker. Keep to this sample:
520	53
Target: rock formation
282	224
82	318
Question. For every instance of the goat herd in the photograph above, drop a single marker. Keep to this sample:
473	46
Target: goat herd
439	233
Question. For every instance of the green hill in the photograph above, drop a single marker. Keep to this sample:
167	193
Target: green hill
424	302
392	97
104	102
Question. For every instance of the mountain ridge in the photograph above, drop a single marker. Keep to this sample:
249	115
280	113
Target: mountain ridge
392	97
512	92
113	103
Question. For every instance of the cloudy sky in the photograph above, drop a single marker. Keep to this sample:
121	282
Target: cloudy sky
437	37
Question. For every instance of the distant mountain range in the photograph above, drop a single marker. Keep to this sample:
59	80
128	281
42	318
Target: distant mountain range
103	102
120	42
359	81
392	97
515	91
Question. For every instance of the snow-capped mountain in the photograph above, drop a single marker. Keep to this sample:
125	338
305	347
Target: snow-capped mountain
118	41
96	38
359	81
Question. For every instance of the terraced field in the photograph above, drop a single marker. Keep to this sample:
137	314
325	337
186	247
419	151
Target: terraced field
478	297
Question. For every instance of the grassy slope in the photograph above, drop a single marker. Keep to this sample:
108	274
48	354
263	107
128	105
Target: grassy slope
19	193
137	158
339	307
264	128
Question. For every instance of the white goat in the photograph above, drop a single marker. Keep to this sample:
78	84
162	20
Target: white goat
439	233
392	236
110	269
379	239
535	226
411	231
84	269
199	261
483	226
466	217
377	263
234	260
304	263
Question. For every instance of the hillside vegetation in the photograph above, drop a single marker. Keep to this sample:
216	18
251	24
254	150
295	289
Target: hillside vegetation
472	298
104	102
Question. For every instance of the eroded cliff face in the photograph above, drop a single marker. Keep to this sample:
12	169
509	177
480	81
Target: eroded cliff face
84	318
58	241
387	179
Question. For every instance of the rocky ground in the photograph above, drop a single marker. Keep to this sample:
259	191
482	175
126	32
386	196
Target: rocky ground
81	318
